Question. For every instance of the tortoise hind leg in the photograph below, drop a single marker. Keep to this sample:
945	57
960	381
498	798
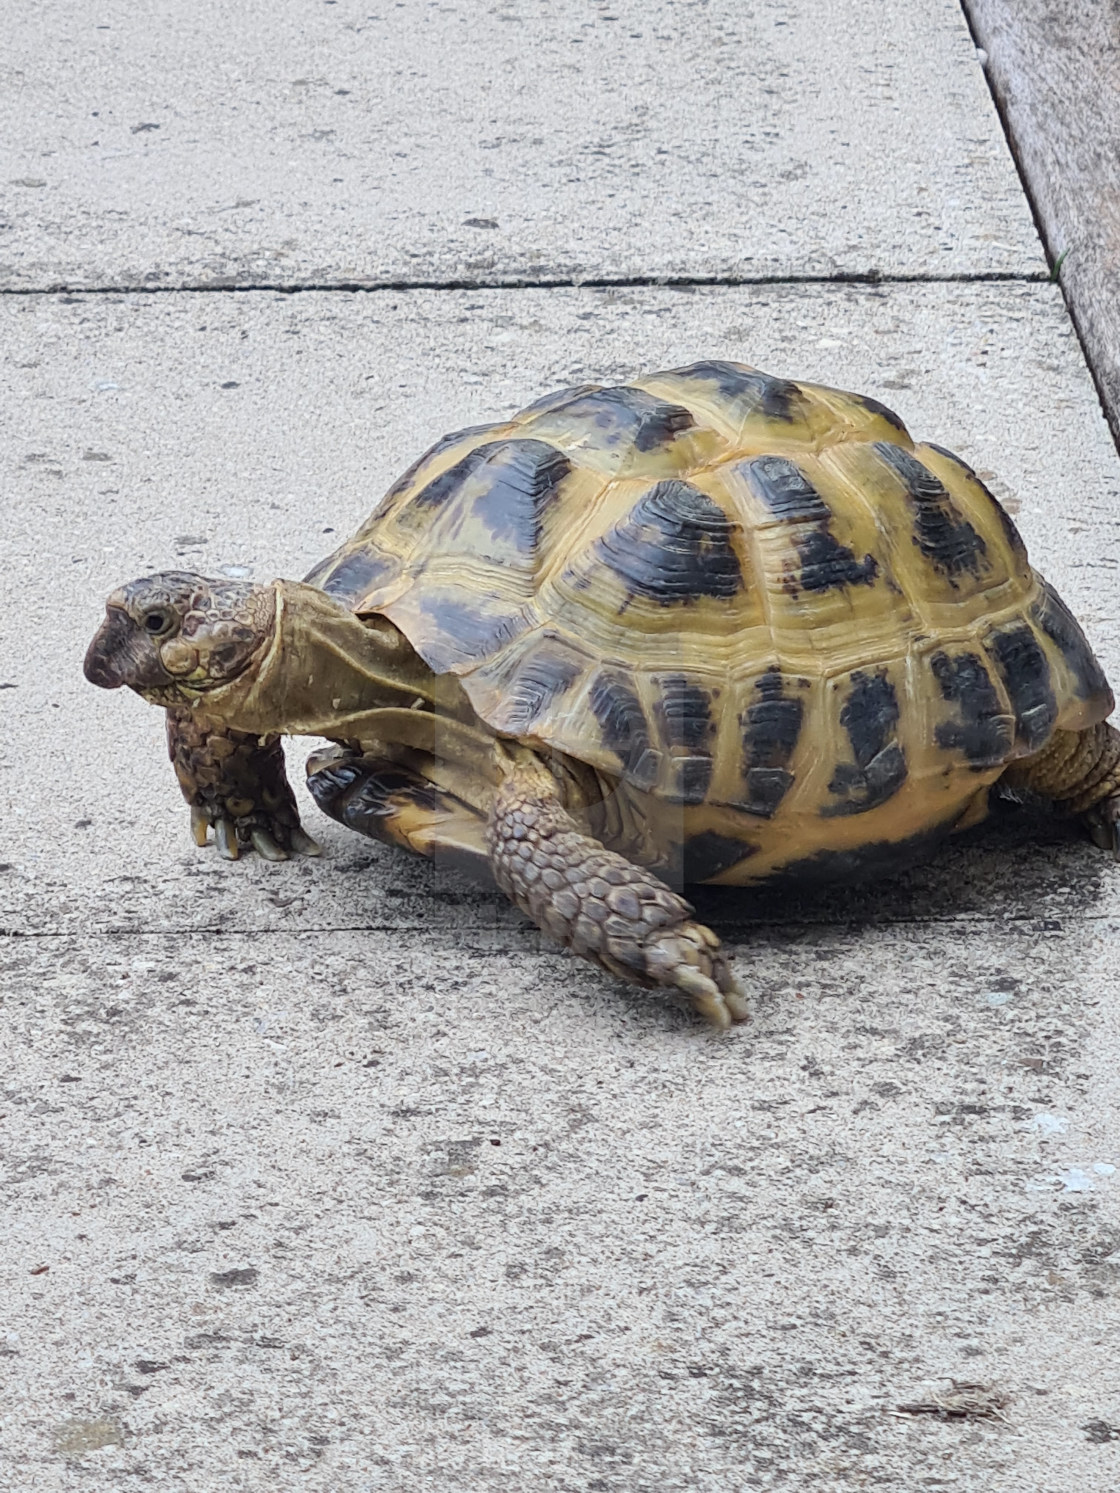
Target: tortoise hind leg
1080	772
393	804
597	902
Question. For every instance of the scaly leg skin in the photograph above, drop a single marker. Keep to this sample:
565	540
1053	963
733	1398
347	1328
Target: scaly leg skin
597	902
237	783
1080	771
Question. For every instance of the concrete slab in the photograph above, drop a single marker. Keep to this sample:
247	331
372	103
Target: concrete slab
531	141
343	1213
253	431
341	1177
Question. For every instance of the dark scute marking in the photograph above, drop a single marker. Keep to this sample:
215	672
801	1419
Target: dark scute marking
709	853
773	398
540	680
1062	628
624	726
873	407
521	478
436	493
356	574
946	539
825	563
872	862
684	713
983	732
791	497
868	787
766	787
785	489
444	443
952	456
1022	664
627	417
673	546
771	726
869	716
360	794
460	631
1011	533
692	776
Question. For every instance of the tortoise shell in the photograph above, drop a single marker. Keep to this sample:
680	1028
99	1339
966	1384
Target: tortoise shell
754	599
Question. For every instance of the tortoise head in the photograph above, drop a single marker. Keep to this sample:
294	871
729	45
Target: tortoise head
173	636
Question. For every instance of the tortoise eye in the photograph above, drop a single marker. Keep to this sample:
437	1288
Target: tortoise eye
157	622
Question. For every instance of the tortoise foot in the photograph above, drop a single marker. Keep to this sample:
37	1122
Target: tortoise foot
236	784
598	903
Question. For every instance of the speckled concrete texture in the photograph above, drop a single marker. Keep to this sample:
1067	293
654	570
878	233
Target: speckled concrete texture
335	1176
293	142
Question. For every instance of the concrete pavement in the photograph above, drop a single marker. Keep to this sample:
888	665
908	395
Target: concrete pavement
333	1175
531	140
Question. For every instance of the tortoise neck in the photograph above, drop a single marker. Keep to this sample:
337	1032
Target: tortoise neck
322	671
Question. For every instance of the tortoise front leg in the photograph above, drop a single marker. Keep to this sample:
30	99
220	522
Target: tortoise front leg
597	902
236	782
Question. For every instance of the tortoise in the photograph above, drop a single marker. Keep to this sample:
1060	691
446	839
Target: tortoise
709	626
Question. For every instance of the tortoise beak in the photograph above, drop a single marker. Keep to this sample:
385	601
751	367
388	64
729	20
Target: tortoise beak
121	654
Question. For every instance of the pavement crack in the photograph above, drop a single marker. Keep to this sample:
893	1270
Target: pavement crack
546	282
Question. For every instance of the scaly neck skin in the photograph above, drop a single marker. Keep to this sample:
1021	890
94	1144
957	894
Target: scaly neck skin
322	671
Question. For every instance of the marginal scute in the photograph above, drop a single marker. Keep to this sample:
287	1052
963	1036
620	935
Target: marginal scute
625	730
1024	670
771	727
981	730
537	682
870	716
452	629
684	712
1061	627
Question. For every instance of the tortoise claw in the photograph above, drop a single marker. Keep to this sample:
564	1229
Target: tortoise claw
303	844
225	833
1103	824
719	1001
266	846
232	837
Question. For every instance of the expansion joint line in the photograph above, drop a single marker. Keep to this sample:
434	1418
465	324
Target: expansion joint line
559	282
